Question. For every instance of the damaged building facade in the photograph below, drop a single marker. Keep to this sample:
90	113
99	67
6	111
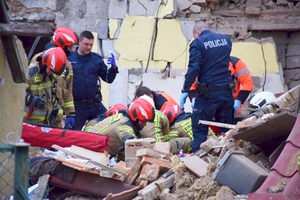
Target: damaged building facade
151	38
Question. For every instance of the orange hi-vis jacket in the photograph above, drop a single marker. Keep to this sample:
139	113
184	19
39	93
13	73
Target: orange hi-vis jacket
241	77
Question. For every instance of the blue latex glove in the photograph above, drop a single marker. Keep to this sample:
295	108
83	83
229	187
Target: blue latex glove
193	102
111	60
236	105
183	98
69	123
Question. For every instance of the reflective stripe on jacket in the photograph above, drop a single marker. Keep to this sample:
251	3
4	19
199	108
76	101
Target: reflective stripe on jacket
157	129
39	85
115	127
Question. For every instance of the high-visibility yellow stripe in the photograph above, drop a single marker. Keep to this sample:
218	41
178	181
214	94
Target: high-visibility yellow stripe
35	117
171	134
115	118
187	127
103	129
88	128
69	104
126	129
157	124
48	84
61	111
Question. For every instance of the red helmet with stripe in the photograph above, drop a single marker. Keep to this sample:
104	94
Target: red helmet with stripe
142	109
64	36
115	109
55	59
171	110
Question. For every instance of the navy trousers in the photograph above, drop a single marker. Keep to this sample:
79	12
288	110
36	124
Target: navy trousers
87	112
220	107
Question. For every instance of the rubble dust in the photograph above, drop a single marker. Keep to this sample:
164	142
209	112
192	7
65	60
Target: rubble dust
190	187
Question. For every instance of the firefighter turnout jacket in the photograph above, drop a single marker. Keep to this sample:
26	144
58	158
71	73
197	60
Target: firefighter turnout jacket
63	91
181	129
119	128
40	85
156	129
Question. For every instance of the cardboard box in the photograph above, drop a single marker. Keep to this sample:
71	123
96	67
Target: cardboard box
239	173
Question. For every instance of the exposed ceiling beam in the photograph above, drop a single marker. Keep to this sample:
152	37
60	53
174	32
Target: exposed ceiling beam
25	29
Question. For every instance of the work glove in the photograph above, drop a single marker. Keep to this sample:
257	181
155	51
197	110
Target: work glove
236	105
69	123
35	101
183	98
111	60
193	102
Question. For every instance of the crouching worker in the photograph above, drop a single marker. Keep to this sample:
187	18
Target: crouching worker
126	125
180	136
113	110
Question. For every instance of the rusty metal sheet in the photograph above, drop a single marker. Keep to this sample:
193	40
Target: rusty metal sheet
95	185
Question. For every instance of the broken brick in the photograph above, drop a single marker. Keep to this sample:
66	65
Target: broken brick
164	165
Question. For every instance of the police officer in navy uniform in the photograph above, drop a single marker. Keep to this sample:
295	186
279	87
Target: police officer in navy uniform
209	58
87	68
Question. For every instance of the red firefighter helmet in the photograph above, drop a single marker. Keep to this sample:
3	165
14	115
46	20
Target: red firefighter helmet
171	110
64	36
55	58
115	109
142	109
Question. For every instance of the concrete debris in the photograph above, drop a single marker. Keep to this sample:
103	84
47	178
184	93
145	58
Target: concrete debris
216	171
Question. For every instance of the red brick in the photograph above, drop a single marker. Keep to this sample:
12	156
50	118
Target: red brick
163	164
147	152
149	172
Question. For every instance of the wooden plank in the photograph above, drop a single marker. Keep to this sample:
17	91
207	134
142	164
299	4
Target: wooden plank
231	126
101	158
11	50
196	165
76	163
98	164
25	29
54	146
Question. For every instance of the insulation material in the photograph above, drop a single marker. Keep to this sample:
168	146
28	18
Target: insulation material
165	8
247	51
134	41
182	61
169	46
95	45
155	64
270	58
128	63
113	27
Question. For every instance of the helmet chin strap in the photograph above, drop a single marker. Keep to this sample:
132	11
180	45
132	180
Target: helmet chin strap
67	52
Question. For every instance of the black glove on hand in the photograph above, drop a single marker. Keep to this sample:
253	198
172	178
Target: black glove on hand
35	101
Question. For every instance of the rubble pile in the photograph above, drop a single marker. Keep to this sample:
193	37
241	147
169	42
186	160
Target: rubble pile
233	165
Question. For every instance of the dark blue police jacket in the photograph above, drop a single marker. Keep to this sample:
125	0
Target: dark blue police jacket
86	72
209	60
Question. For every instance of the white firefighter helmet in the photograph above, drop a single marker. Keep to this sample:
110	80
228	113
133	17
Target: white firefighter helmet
261	99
